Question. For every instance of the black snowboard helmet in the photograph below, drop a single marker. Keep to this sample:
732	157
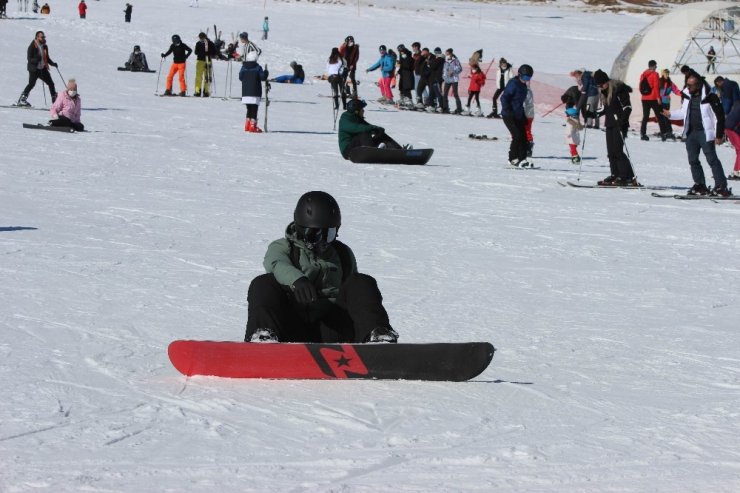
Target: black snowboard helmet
382	48
176	38
317	210
525	70
137	48
316	220
355	105
349	39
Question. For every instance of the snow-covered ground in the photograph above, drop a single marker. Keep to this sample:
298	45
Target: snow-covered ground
615	314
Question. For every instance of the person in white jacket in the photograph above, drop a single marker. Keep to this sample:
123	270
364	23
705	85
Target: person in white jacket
503	76
703	128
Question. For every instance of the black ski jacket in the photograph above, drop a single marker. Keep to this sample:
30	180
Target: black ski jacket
617	112
201	53
34	57
437	64
180	53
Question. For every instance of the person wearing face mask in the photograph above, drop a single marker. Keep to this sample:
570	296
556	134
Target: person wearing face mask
405	76
503	75
180	53
66	110
312	291
351	54
703	130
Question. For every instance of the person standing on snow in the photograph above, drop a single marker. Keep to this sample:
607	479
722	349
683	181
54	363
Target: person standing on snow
477	81
351	54
127	12
589	95
451	76
651	101
512	112
573	129
529	115
312	291
703	129
616	110
247	46
265	28
66	110
405	64
335	68
204	48
732	130
82	8
38	65
728	92
252	75
387	66
503	75
180	53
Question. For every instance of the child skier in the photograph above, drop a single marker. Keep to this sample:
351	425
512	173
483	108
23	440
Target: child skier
252	75
573	129
477	81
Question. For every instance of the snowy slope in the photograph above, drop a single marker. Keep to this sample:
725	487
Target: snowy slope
615	314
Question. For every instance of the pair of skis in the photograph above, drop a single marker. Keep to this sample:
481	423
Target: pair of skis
656	191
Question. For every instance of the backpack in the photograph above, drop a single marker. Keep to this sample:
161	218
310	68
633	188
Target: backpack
645	88
342	251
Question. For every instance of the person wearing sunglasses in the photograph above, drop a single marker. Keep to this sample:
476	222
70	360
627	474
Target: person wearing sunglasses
312	291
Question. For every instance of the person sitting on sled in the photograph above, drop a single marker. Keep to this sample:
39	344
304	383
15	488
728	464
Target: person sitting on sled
312	291
355	131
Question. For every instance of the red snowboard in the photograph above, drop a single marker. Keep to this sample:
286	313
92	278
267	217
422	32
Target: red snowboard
445	362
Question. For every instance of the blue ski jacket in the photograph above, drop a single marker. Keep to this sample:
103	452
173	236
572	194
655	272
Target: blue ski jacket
512	100
386	64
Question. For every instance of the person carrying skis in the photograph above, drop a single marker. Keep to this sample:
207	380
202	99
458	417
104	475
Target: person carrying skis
38	65
512	112
312	290
451	76
137	61
616	109
127	12
355	131
204	50
703	129
351	54
66	110
386	64
252	75
503	75
335	69
180	53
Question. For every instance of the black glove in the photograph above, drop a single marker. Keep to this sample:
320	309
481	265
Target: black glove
304	291
590	114
379	130
163	55
54	64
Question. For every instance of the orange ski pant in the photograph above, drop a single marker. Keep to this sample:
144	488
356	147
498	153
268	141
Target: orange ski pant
178	68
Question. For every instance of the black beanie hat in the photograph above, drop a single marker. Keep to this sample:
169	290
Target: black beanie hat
600	77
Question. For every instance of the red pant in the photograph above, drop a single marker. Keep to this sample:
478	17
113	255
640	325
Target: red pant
528	130
735	141
385	87
180	69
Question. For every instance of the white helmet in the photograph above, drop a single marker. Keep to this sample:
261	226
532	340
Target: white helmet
251	56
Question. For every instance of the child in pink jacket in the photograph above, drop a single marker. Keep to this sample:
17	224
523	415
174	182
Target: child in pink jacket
66	110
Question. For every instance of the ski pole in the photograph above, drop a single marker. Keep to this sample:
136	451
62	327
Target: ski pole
583	146
553	109
627	153
159	74
43	86
61	76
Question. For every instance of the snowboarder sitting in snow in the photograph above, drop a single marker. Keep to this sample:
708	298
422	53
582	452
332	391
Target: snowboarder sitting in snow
137	61
66	110
312	291
355	131
297	78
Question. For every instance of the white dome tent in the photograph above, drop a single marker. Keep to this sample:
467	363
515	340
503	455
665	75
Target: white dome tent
683	37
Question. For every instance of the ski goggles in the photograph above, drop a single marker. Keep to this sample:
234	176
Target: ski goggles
313	236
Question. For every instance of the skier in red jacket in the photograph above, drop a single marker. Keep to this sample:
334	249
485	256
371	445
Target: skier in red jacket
650	91
477	81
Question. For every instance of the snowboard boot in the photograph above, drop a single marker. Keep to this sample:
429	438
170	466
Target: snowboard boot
264	336
698	189
22	101
735	175
168	92
514	163
382	334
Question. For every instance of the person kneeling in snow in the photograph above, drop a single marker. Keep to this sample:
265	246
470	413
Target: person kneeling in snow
66	110
252	74
355	131
312	291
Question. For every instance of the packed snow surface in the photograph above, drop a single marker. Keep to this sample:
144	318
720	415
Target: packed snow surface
616	315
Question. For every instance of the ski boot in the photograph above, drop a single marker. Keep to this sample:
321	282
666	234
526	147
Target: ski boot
22	101
698	189
721	192
575	159
167	92
609	181
735	175
382	334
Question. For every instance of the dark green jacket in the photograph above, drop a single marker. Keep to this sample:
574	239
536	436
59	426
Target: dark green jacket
350	124
325	272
